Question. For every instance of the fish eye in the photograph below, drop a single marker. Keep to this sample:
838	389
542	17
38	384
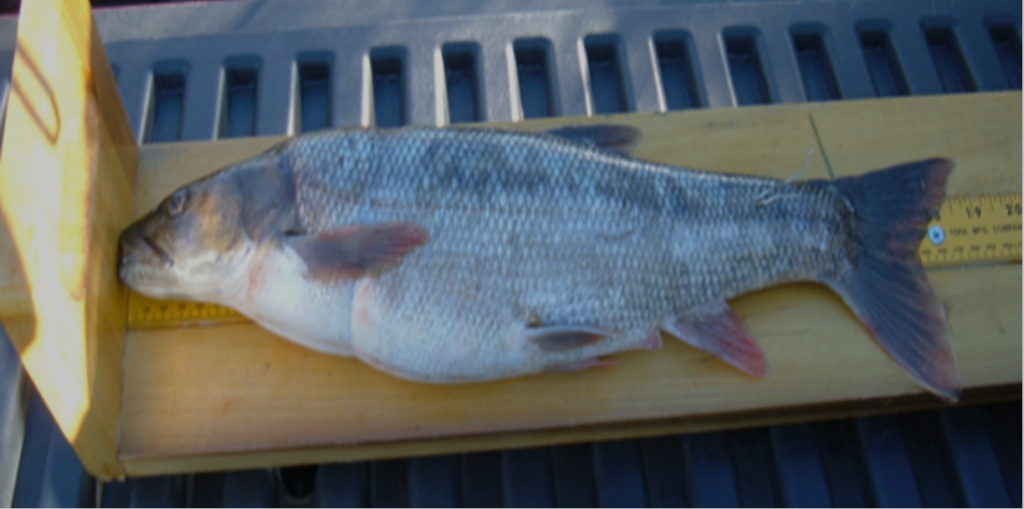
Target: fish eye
177	202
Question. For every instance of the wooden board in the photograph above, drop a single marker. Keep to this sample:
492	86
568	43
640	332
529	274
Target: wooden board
236	396
66	179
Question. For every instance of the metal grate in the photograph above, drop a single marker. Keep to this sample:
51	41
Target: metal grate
815	64
462	82
533	64
678	80
167	103
883	64
388	86
949	60
238	117
749	84
607	87
314	94
1007	46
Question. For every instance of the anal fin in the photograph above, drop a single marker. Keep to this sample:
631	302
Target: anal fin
716	329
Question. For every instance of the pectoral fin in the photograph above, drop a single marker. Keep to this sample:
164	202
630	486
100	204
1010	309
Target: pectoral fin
561	338
356	251
716	329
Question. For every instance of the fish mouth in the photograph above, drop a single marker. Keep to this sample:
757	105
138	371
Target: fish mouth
130	251
159	251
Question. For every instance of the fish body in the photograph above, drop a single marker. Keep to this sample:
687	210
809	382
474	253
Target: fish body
466	255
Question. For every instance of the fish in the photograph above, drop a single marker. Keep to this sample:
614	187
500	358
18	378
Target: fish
453	255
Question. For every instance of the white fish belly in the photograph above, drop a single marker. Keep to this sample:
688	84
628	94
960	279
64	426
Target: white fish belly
481	342
312	313
457	310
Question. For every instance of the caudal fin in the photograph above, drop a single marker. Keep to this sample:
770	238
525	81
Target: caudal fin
888	289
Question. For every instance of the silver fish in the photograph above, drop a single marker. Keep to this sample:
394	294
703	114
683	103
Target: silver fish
464	255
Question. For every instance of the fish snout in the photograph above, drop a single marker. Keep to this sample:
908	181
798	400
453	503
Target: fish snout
136	249
128	252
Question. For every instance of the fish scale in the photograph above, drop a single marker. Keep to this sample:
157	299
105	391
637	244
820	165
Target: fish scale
592	239
449	255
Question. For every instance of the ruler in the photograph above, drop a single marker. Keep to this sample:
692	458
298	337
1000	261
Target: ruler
147	313
965	231
985	229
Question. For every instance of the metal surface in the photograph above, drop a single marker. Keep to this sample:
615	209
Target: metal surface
936	458
14	397
199	71
179	65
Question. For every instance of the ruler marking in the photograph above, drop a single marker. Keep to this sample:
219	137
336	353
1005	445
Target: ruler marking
981	229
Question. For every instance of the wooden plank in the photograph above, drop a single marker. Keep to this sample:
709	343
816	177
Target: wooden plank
569	435
66	181
236	396
649	388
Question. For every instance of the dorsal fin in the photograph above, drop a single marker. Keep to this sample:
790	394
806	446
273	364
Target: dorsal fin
618	138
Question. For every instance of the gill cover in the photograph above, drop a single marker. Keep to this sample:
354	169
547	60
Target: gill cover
201	234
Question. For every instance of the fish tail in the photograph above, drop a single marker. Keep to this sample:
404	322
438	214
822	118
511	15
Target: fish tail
887	288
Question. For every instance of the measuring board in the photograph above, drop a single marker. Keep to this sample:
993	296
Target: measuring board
965	231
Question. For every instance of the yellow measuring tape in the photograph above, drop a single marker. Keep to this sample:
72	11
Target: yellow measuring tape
147	313
974	230
966	231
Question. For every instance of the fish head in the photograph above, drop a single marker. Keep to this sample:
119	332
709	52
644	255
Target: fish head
192	246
